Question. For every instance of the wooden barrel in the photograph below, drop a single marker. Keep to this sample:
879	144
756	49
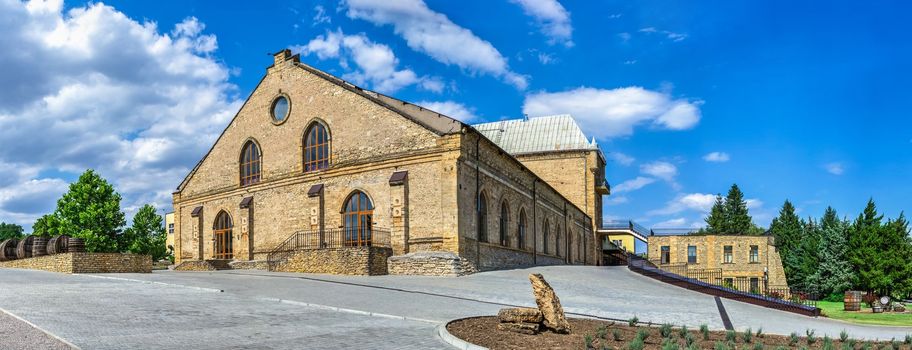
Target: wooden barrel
24	249
852	300
76	245
39	246
58	245
8	249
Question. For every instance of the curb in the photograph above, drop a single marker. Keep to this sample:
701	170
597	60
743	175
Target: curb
49	334
448	338
154	282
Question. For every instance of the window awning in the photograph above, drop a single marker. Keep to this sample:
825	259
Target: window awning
196	211
246	202
315	190
398	178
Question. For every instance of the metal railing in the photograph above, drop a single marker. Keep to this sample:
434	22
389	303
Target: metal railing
777	297
326	239
626	225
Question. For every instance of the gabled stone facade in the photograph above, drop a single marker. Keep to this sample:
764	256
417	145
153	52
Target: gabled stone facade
443	166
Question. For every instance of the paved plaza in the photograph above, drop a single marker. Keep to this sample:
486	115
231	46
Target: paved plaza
244	309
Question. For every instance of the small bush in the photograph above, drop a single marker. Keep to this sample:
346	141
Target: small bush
851	343
908	339
828	343
588	341
665	330
843	336
720	346
642	334
747	336
758	346
846	346
636	344
602	332
793	339
731	336
705	330
896	343
811	338
683	332
693	347
689	339
669	344
760	333
633	321
866	346
616	335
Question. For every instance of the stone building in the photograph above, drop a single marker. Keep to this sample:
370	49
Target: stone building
312	164
748	263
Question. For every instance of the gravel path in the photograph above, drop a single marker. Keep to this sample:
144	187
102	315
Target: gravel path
18	335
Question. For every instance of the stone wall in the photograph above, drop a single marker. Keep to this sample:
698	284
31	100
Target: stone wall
430	264
339	261
85	263
194	265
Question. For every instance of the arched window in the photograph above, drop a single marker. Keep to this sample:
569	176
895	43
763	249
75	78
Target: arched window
504	222
316	148
221	233
546	233
357	219
482	217
250	163
521	229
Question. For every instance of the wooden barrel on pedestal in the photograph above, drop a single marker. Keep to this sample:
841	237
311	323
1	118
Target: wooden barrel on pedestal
39	246
76	245
852	300
58	245
8	249
24	248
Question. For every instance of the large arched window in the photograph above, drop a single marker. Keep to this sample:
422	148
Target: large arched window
357	219
521	229
316	148
221	234
250	163
482	217
504	222
546	235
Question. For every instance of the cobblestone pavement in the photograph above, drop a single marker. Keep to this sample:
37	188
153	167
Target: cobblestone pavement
18	335
99	313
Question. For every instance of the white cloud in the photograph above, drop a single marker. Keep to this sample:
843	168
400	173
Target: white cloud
700	202
672	223
320	16
552	17
718	157
663	170
632	184
668	34
613	113
434	34
615	200
377	64
835	168
621	158
625	37
451	109
138	104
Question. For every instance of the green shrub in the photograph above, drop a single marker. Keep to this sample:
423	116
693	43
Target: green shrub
760	333
689	339
588	341
616	334
633	321
866	346
683	332
846	346
642	334
731	336
851	343
720	346
828	343
896	343
602	332
693	347
665	330
758	346
811	338
669	344
793	339
636	344
908	338
705	330
843	336
747	336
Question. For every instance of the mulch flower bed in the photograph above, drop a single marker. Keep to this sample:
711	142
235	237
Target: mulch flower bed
597	334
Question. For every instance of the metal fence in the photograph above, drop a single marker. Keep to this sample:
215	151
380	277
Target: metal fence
332	238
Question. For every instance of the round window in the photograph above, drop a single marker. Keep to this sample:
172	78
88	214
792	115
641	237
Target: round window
280	109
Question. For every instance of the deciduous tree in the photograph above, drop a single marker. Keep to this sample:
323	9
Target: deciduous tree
91	210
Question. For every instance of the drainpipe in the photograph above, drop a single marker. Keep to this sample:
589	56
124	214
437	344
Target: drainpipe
567	238
534	222
477	197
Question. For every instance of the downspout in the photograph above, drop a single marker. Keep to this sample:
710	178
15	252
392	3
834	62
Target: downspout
534	222
567	238
477	198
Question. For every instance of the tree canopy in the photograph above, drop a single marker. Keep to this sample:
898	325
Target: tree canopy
147	235
89	210
8	231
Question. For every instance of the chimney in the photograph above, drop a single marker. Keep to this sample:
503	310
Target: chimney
283	56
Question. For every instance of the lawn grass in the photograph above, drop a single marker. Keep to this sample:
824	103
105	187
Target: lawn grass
834	310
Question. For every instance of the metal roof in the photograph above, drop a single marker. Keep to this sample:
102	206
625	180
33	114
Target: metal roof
538	134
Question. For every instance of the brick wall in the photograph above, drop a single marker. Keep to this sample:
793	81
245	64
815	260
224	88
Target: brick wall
85	263
340	261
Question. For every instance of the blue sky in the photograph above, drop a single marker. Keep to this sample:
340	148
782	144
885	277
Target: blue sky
788	100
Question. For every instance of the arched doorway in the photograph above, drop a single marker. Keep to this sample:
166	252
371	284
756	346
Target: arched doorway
221	233
357	220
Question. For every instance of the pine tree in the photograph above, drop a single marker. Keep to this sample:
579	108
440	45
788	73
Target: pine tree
894	261
835	273
715	222
804	259
91	210
738	222
865	244
787	229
